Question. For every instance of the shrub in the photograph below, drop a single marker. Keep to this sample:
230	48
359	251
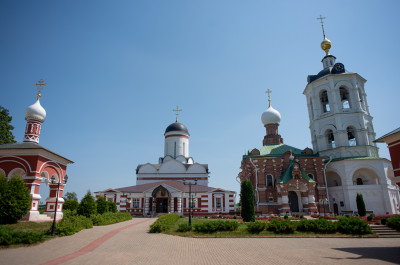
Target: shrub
321	226
15	200
361	205
164	222
383	220
71	224
110	218
370	217
247	201
235	216
255	227
353	226
9	236
102	205
286	216
184	227
70	205
394	222
112	207
206	217
281	227
87	207
214	226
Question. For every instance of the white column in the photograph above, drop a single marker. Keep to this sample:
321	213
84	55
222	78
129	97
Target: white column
179	205
171	207
146	205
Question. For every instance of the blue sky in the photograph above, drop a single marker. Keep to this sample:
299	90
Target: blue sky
115	70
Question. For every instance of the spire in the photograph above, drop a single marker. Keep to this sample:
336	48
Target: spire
325	44
269	98
177	112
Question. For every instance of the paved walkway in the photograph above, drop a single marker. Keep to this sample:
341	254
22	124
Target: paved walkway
129	243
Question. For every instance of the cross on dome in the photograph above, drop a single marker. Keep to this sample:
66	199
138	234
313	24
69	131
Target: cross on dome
39	87
177	112
325	44
322	23
269	98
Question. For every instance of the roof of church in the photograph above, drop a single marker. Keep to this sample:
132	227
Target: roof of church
178	185
277	150
157	166
177	127
29	145
322	73
381	139
287	175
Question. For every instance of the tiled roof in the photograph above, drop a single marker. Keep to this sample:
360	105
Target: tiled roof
177	185
353	158
277	150
29	145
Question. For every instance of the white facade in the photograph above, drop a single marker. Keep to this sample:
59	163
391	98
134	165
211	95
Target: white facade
341	129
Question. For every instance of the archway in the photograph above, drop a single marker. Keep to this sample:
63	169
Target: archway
333	179
161	197
365	176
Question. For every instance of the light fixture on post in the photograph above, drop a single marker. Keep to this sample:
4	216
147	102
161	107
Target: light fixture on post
190	199
53	181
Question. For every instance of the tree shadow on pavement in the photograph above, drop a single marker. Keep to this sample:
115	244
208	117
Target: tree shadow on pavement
388	254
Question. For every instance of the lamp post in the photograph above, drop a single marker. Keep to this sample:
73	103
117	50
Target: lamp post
190	199
53	181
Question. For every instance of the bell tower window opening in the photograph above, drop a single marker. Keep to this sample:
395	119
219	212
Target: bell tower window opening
324	101
344	98
330	138
351	136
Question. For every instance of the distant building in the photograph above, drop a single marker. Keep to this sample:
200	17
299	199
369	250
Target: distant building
160	187
35	163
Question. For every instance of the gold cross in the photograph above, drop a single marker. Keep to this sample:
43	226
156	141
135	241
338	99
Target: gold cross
322	24
269	99
177	112
40	84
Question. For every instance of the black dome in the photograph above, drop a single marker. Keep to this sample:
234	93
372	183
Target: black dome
176	126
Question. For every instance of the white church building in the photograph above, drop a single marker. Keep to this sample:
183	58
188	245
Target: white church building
172	185
342	131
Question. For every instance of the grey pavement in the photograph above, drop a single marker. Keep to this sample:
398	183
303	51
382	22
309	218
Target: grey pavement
135	245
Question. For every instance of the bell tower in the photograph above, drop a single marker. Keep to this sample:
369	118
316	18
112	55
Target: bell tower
340	121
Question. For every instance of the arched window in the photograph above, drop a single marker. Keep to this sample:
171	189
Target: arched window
351	136
331	138
270	181
311	176
324	101
344	98
360	181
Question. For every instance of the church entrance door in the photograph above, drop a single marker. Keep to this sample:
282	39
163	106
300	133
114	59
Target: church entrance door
293	201
162	205
335	209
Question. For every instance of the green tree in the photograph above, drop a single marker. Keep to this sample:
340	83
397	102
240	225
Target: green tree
247	201
87	205
6	136
71	196
112	207
361	205
71	205
15	200
102	205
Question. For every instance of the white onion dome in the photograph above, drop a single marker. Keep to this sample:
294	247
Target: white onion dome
270	116
35	111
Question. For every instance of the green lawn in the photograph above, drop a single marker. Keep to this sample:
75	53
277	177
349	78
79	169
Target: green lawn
24	233
42	227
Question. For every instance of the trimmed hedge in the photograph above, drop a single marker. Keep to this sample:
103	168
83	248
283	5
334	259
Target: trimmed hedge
255	227
281	227
71	224
110	218
394	222
9	236
164	222
353	226
214	226
321	226
184	227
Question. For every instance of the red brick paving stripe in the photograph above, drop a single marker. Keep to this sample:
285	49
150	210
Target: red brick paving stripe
90	247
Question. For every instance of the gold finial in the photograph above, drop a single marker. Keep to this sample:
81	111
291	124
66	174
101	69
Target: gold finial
325	44
177	112
269	98
40	84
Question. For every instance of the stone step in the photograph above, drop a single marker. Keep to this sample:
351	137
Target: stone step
385	231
